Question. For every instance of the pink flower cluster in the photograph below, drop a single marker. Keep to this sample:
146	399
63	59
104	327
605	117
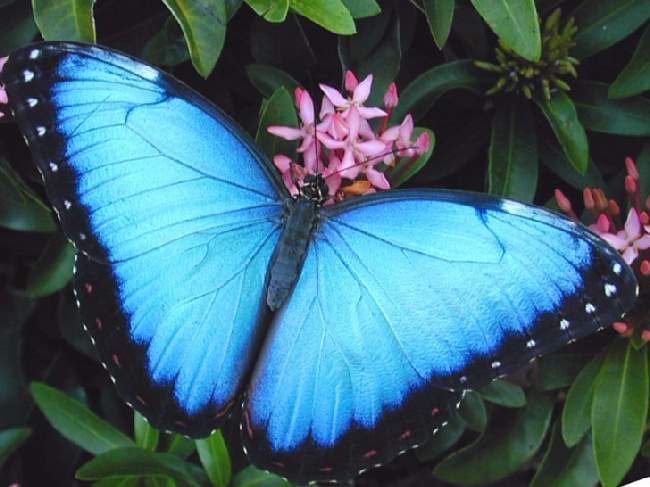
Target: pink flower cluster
631	238
342	146
3	92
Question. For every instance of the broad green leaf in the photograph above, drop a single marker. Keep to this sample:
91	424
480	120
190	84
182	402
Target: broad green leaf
513	163
443	439
576	414
472	411
600	113
277	110
253	477
332	15
566	467
167	47
271	10
362	8
643	164
516	23
604	23
559	370
123	482
204	26
65	20
619	410
563	119
10	441
232	7
503	448
180	446
18	26
76	422
129	462
215	458
470	30
635	77
552	156
406	167
420	95
440	15
503	393
53	269
267	79
146	436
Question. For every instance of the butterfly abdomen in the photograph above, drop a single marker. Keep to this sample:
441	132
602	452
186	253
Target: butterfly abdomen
290	251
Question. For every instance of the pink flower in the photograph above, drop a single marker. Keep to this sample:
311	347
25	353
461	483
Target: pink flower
3	93
360	94
630	240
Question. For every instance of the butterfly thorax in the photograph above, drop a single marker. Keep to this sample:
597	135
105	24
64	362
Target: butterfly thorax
300	219
314	188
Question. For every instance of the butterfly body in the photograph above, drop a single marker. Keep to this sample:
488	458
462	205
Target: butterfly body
387	307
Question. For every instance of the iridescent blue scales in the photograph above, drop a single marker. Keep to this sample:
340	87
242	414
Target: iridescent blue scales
404	298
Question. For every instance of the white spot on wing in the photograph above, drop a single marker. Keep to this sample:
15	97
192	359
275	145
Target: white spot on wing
610	290
40	131
530	343
54	167
28	75
34	53
617	268
564	324
32	102
590	308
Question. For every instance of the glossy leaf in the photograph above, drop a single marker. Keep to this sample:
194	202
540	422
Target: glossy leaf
503	393
65	20
167	47
204	26
559	370
271	10
643	164
600	113
253	477
53	269
130	462
635	77
407	167
215	458
332	15
10	441
472	411
180	446
76	422
267	79
124	482
443	439
440	15
420	95
552	156
516	23
563	119
566	467
146	436
513	165
277	110
619	410
362	8
603	23
500	451
576	414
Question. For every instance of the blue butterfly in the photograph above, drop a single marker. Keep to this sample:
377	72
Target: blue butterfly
348	331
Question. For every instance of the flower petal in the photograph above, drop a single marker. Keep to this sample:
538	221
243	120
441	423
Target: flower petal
614	240
643	243
371	147
288	133
351	81
353	123
390	97
330	142
406	129
282	162
377	178
326	108
371	112
362	91
306	108
334	95
630	254
632	224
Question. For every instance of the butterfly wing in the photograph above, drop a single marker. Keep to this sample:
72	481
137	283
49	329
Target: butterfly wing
404	298
175	215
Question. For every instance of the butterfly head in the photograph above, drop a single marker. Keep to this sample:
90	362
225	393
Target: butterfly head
314	188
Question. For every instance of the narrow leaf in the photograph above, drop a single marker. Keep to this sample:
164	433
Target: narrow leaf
472	411
440	15
443	439
253	477
277	110
503	393
362	8
167	47
215	459
643	164
563	119
10	441
76	422
514	22
406	167
204	26
619	410
180	446
53	269
552	156
65	20
559	370
332	15
512	167
146	436
267	79
271	10
635	77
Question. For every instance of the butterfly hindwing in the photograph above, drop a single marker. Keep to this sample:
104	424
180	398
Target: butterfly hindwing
175	215
405	297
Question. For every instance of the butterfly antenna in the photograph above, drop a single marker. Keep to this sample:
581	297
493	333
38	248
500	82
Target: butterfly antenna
371	159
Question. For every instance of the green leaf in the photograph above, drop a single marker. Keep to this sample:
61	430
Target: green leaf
440	15
635	77
253	477
76	422
566	467
443	439
215	459
53	269
122	482
619	410
18	26
271	10
552	156
146	436
420	95
576	414
472	411
65	20
130	462
277	110
502	449
512	167
267	79
516	23
503	393
362	8
603	23
167	47
643	164
180	446
563	119
332	15
600	113
559	370
406	167
204	26
10	441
